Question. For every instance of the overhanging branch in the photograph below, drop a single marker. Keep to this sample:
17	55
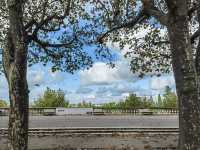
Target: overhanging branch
150	10
46	45
195	35
139	18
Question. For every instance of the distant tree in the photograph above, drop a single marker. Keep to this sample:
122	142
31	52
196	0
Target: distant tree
3	103
133	101
111	105
169	98
52	98
147	103
85	104
121	104
159	103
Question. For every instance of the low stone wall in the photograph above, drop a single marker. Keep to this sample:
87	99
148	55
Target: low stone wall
84	111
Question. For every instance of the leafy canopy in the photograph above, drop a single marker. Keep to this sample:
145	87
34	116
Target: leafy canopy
169	98
139	28
52	98
57	32
131	102
3	103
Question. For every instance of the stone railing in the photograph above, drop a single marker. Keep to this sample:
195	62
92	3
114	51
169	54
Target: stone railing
102	111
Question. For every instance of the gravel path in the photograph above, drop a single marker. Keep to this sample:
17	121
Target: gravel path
103	142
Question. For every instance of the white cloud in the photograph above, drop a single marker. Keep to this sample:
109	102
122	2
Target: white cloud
125	94
120	88
36	78
56	76
159	83
102	74
83	90
3	88
90	97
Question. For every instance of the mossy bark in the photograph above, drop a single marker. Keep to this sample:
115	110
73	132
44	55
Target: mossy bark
15	69
186	77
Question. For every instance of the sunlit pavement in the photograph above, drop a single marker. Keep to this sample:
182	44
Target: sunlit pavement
98	121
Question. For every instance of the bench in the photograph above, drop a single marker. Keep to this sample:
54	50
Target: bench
145	112
98	113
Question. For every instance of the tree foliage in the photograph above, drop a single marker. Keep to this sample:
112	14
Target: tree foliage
3	103
85	104
131	102
52	98
169	98
57	33
171	40
139	28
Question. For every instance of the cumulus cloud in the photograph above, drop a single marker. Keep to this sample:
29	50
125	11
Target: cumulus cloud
159	83
83	90
116	90
36	78
57	76
102	74
119	89
102	90
3	88
90	96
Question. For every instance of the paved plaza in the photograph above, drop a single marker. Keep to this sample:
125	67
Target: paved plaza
97	121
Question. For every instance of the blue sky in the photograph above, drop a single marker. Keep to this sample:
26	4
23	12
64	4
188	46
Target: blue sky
99	84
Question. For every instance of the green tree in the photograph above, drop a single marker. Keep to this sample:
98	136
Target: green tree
169	98
121	104
147	103
52	98
133	101
160	102
3	103
85	104
110	105
39	31
171	39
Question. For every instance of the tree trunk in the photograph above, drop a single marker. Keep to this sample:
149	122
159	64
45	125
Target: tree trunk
15	68
186	78
197	59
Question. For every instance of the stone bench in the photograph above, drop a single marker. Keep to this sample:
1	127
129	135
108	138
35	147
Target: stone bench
146	112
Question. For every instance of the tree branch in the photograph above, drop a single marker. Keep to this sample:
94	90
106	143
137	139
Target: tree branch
150	10
46	21
195	35
139	18
29	24
46	45
193	9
